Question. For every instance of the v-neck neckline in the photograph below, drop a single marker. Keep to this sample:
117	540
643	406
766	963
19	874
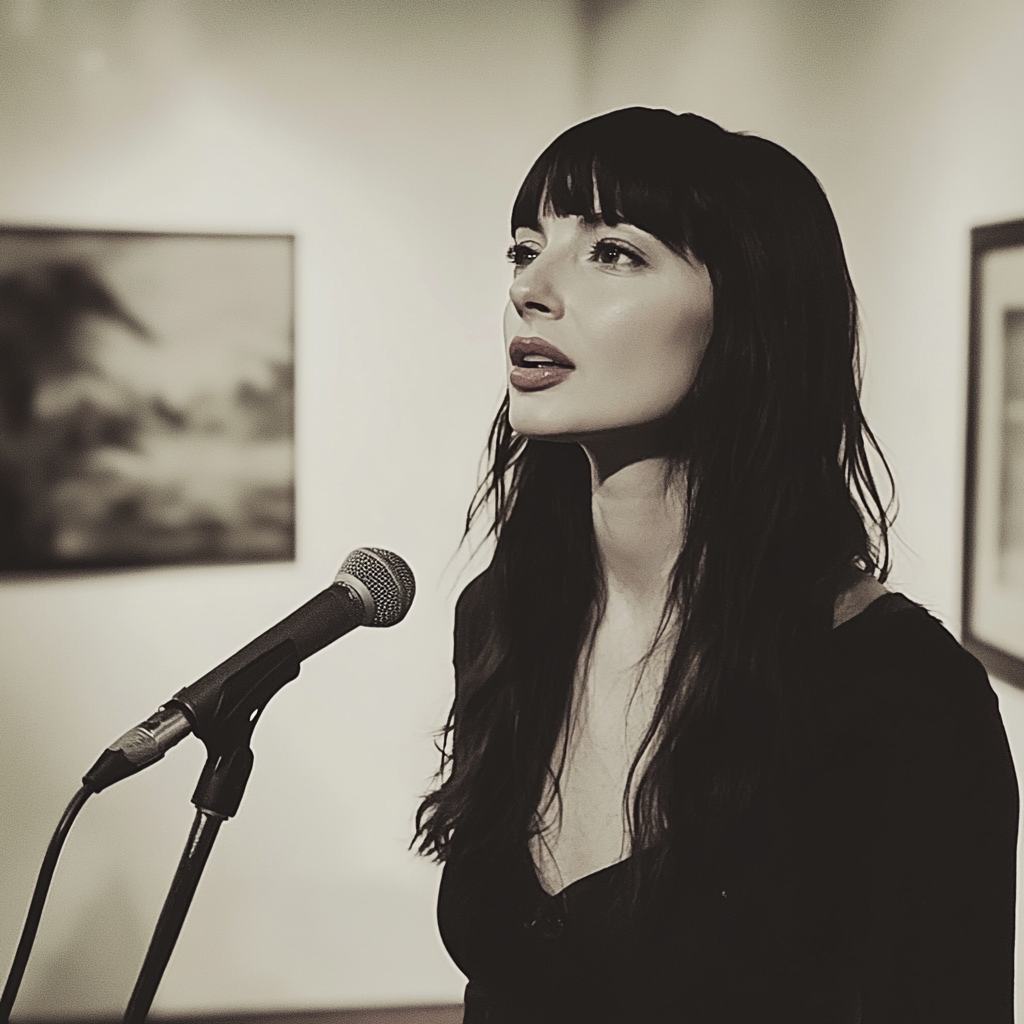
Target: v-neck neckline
562	893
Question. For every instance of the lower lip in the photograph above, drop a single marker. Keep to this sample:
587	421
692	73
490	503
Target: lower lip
537	378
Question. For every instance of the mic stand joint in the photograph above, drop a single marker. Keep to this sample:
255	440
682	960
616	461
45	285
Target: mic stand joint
226	726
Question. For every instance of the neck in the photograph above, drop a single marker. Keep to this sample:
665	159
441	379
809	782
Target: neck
639	529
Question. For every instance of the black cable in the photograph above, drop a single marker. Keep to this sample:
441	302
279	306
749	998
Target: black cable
35	908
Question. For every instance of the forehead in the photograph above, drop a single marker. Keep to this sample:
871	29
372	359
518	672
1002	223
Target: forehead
599	192
569	207
570	182
548	220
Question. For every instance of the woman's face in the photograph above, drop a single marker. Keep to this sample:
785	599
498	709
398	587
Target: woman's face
604	330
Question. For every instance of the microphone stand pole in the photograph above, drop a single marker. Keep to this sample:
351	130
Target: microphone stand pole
226	728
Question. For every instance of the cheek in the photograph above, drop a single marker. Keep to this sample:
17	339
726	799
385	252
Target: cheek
690	340
687	330
654	349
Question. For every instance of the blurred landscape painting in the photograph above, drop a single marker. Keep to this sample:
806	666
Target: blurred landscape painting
146	399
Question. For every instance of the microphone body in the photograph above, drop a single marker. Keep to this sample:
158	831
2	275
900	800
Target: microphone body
319	622
373	588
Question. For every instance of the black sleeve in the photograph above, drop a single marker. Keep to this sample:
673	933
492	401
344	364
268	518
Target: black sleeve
473	638
469	625
941	855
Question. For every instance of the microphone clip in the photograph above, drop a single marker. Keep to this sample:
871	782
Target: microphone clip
226	726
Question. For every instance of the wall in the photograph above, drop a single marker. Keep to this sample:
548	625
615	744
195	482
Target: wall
390	138
909	112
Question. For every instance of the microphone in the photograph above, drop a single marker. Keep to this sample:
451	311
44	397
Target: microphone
373	587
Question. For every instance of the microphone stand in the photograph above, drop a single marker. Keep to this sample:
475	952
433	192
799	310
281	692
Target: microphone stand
226	726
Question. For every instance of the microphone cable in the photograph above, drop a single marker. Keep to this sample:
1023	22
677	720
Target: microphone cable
35	908
377	581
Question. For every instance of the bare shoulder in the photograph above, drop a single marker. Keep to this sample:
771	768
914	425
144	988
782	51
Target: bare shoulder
855	598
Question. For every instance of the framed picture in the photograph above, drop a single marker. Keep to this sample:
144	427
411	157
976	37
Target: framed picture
146	399
993	592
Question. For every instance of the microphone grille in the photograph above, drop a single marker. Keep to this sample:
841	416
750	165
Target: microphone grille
388	579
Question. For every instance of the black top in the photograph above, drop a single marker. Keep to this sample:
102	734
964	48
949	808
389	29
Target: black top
897	908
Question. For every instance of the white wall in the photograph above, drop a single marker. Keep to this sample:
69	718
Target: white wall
910	112
390	138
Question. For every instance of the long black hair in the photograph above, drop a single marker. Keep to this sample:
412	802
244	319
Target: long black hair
780	502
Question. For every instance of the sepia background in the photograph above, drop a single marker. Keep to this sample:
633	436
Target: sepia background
389	138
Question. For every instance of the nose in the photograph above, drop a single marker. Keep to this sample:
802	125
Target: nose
535	293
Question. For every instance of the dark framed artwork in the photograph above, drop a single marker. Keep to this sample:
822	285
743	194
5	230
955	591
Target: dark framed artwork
993	591
146	399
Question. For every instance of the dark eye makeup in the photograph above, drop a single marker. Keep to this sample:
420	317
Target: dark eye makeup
607	251
610	252
519	255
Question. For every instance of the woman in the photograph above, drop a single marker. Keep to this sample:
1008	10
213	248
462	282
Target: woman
704	767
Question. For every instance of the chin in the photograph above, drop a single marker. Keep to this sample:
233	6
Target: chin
533	418
547	424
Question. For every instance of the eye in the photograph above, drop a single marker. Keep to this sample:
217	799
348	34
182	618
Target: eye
612	253
519	254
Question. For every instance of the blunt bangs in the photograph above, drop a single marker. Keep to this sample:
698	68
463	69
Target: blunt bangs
634	166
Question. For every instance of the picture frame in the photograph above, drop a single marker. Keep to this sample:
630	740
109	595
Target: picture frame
147	411
993	563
